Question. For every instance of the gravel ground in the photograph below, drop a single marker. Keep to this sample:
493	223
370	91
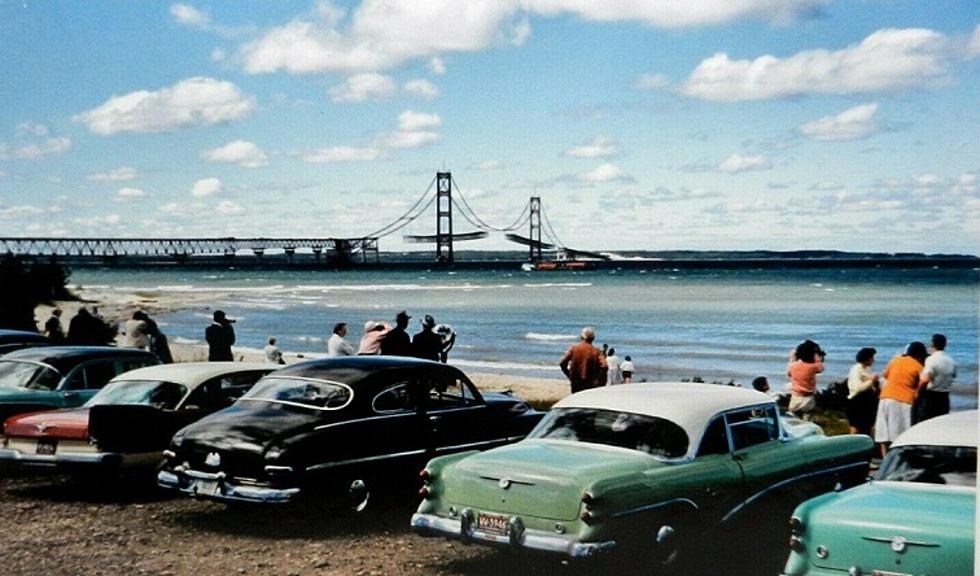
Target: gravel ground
54	525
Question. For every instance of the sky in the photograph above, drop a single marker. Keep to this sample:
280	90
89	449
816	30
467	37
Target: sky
641	125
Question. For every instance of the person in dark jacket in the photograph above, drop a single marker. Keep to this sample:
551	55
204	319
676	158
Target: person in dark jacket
220	336
397	342
426	343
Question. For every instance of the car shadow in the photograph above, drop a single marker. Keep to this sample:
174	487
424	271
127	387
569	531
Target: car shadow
89	489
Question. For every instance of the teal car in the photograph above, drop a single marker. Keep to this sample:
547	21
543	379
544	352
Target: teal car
640	469
49	377
917	516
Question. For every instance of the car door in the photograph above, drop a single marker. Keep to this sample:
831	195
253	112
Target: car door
770	467
457	418
85	380
719	486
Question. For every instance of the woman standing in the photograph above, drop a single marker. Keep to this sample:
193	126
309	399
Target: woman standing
862	393
898	394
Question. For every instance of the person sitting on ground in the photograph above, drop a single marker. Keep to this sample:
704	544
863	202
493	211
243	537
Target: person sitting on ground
805	362
898	394
626	369
426	343
336	345
862	393
583	363
374	334
272	352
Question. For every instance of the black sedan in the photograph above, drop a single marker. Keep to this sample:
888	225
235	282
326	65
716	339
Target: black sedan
343	426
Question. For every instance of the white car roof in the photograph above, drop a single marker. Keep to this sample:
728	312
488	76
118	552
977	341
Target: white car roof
954	429
191	374
689	405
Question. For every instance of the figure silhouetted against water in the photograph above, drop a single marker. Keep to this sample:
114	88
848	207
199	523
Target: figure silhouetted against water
397	342
426	343
220	336
583	363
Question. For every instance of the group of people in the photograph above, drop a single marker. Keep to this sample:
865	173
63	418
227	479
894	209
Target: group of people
85	329
431	342
913	387
586	366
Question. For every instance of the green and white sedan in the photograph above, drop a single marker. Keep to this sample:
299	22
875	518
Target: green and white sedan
642	467
916	517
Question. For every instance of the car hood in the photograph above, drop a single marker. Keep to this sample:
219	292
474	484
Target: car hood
542	478
865	527
247	426
58	424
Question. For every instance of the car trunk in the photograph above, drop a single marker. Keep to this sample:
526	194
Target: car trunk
863	525
56	424
543	478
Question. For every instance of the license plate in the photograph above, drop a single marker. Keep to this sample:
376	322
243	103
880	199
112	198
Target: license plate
207	487
492	523
46	447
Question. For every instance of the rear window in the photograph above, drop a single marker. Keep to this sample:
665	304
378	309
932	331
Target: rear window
301	391
953	465
165	395
28	375
648	434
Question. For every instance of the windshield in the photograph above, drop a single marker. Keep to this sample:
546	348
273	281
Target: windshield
954	465
14	374
313	393
164	395
648	434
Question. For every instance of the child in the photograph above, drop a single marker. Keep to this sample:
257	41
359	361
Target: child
626	369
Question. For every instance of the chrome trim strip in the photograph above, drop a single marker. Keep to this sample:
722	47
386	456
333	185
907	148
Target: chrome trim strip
350	398
516	538
338	463
663	504
787	481
368	419
226	491
459	447
890	540
56	459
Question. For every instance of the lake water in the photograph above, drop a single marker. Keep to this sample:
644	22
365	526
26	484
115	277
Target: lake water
719	325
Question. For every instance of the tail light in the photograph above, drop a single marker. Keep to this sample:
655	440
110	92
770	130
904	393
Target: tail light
795	544
587	516
425	476
424	492
588	498
796	525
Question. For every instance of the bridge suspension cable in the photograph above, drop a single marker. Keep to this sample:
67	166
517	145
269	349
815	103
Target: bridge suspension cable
480	223
408	217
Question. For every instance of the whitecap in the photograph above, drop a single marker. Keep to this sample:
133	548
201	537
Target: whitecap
549	337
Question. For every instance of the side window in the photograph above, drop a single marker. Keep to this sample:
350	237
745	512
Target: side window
91	375
753	426
231	387
395	398
715	440
132	364
75	379
447	392
206	396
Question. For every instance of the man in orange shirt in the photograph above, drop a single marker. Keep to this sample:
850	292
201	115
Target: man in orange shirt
583	363
898	394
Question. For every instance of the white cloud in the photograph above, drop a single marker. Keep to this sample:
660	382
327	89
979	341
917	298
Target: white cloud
191	102
600	147
342	154
605	173
228	207
887	59
827	186
130	193
33	143
421	87
414	139
190	16
383	34
486	165
122	174
409	121
19	212
738	163
361	87
32	129
2	173
241	152
851	124
437	66
218	55
206	187
100	221
927	181
973	45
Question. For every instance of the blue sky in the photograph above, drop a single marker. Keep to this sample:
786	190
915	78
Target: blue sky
719	124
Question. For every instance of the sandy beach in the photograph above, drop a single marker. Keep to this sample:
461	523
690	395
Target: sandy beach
116	308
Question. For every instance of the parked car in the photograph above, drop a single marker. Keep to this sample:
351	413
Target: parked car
916	517
342	426
645	468
51	377
129	423
11	340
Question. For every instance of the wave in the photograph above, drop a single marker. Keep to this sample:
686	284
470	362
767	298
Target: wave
558	285
182	340
549	337
397	287
499	365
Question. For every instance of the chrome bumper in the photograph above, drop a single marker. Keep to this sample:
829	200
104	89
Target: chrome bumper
517	536
218	487
56	460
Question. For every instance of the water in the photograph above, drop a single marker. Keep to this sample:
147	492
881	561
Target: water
719	325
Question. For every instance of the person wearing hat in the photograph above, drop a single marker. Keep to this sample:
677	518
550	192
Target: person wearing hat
220	336
427	344
374	333
397	342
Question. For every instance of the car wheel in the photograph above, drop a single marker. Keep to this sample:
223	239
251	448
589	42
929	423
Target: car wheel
358	495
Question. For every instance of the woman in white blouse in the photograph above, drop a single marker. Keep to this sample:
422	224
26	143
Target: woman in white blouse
862	393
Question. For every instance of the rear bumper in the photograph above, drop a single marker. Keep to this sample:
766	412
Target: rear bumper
80	460
463	528
218	487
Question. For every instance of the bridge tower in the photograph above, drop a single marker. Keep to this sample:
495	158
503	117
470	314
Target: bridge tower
444	217
534	247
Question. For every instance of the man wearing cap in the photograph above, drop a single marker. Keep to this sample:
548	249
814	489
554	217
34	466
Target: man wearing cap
397	342
427	344
583	363
220	336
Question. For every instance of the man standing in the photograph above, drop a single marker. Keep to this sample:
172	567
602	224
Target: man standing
52	328
583	363
336	345
934	382
397	342
135	331
427	344
220	336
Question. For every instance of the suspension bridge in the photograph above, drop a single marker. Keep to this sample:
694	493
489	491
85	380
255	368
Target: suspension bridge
540	237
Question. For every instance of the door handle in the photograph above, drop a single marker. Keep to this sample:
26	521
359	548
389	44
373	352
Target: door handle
434	422
71	394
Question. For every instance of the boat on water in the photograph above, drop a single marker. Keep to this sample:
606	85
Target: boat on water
549	265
